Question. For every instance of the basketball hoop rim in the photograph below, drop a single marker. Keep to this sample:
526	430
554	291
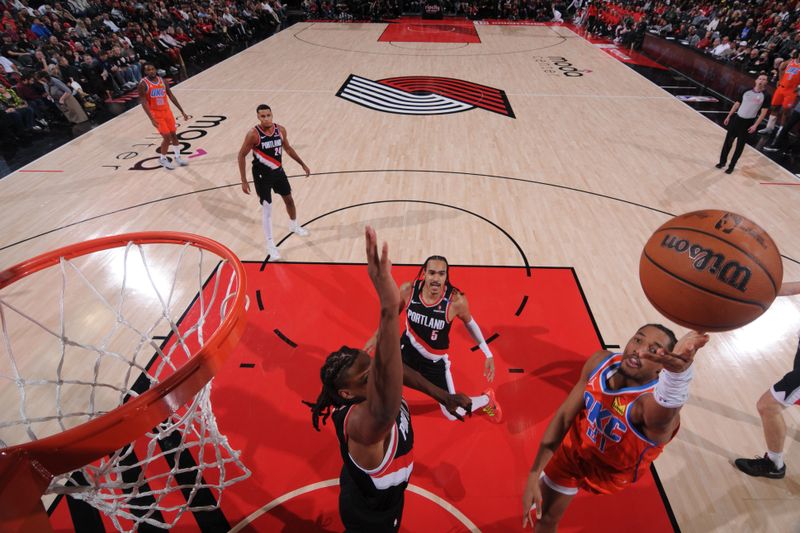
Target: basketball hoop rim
88	442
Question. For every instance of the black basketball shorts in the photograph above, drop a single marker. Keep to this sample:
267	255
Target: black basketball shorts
267	180
435	372
787	390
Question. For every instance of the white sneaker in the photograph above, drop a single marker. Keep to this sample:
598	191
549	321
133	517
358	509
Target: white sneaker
166	163
299	230
273	253
765	131
182	162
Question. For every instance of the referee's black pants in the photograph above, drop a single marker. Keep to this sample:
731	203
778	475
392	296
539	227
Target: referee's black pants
737	129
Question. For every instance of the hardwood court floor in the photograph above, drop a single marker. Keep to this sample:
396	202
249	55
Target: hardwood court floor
588	167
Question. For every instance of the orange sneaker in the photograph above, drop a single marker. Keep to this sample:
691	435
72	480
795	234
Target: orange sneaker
492	409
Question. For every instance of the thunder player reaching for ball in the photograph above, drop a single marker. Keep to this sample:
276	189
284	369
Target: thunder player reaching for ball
153	94
267	142
616	420
431	304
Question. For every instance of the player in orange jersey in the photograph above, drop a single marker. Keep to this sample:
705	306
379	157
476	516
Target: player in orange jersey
153	93
618	417
785	95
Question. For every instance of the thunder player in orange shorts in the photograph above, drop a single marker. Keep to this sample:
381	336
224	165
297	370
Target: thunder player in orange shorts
153	93
785	95
616	420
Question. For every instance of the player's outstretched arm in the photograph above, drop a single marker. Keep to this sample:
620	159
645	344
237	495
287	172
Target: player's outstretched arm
461	309
405	295
371	420
554	434
658	414
414	380
789	288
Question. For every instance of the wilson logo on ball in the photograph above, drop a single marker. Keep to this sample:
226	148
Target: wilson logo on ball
710	270
705	259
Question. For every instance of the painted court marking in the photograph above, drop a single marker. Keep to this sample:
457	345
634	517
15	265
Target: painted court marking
444	504
28	170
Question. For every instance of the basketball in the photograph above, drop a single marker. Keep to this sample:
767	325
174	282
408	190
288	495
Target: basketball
710	270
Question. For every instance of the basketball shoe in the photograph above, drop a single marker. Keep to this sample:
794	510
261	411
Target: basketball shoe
166	163
273	252
760	467
299	230
492	409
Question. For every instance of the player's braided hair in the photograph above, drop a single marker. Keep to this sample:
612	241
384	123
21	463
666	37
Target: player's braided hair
424	267
331	376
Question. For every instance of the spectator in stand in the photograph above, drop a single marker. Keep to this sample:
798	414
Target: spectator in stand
39	30
21	116
705	42
34	95
62	96
722	49
9	70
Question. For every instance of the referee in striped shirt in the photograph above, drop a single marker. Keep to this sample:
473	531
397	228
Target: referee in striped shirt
742	120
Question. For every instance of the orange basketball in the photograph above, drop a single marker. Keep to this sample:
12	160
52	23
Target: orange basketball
710	270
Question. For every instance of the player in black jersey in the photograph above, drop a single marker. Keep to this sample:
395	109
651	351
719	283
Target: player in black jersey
373	425
431	303
268	141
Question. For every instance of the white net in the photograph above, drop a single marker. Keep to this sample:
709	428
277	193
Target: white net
83	337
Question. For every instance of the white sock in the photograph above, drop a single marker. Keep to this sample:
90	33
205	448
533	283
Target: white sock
163	157
266	221
292	223
176	149
479	401
771	122
776	458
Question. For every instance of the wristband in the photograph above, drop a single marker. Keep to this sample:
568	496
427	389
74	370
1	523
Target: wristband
672	389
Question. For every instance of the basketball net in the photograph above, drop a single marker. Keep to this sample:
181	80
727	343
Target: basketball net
101	351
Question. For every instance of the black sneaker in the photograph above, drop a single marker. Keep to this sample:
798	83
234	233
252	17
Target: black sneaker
729	170
760	467
719	165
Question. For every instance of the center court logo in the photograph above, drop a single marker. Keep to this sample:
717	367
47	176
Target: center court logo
424	95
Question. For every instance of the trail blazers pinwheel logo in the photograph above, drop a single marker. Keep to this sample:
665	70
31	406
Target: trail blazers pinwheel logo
424	95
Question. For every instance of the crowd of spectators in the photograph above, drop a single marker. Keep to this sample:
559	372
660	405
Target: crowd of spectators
61	62
750	35
377	10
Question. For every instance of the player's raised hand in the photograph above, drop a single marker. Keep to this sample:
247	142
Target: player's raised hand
682	355
531	499
488	369
379	268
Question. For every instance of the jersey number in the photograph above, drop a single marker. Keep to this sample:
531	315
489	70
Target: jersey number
277	150
434	334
